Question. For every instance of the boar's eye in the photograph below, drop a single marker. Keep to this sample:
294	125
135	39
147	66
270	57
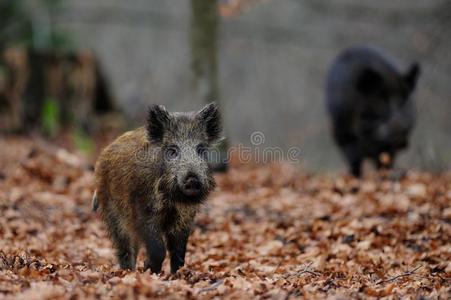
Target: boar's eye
201	150
172	152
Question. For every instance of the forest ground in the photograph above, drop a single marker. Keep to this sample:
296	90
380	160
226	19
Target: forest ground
268	231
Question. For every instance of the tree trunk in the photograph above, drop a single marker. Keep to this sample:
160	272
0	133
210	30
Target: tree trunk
204	64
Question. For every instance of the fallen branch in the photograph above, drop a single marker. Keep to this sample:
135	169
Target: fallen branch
400	275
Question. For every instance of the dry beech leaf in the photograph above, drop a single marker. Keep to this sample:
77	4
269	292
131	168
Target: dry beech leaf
268	231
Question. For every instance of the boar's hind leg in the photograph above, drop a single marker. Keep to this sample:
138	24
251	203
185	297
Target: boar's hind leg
126	251
177	248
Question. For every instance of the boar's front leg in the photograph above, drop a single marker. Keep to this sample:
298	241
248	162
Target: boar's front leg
155	248
177	248
349	145
355	167
354	158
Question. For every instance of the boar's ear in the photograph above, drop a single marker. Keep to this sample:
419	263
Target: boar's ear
157	122
210	118
369	82
411	76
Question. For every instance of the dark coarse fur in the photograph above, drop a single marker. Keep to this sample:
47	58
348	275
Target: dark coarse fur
152	181
369	100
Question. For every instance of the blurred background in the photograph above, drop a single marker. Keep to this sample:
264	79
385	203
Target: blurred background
91	68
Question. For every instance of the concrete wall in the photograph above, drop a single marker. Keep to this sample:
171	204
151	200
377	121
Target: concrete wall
273	60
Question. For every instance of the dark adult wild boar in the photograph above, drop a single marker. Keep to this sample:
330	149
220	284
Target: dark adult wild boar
151	182
369	100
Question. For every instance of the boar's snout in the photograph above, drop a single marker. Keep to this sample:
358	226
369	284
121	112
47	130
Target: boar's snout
191	185
394	133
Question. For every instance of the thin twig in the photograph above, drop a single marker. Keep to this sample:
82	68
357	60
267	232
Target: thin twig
400	275
305	270
212	287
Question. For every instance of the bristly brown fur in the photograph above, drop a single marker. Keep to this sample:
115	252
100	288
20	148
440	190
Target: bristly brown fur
141	185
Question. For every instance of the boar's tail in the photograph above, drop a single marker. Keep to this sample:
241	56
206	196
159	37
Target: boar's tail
95	202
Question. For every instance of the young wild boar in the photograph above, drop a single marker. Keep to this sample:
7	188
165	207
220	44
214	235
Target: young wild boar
151	182
369	100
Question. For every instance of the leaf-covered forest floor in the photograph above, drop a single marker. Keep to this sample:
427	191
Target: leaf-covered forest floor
267	232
